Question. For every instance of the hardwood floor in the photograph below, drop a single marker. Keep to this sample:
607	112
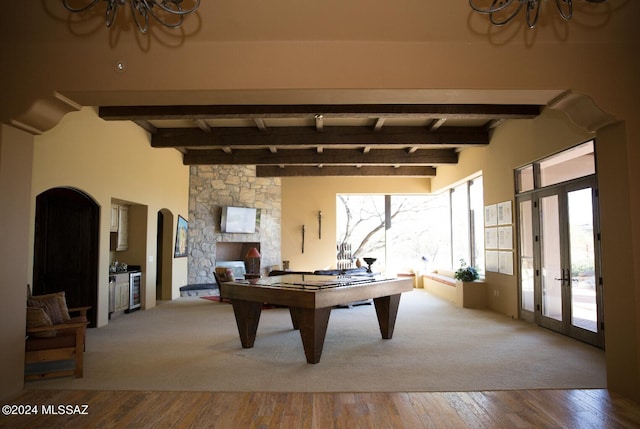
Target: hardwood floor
493	409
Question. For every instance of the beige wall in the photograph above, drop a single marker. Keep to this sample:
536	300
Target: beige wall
513	144
334	53
16	152
303	197
618	224
113	160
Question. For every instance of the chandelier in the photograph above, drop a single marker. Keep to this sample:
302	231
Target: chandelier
169	13
503	11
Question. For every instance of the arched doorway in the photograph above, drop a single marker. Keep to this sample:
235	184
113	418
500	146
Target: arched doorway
66	247
164	266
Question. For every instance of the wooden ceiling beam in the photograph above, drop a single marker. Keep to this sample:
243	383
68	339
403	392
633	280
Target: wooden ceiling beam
372	139
202	124
379	124
494	123
309	111
423	157
299	171
436	124
330	136
260	124
146	125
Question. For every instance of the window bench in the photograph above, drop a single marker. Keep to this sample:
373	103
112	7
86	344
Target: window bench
463	294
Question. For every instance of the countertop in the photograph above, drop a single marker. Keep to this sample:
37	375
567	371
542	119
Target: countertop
128	271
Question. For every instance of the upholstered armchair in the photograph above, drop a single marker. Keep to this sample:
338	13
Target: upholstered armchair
55	337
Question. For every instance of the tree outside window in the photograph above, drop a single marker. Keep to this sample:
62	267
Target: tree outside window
412	232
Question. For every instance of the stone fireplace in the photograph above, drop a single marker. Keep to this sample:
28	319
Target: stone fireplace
215	186
237	251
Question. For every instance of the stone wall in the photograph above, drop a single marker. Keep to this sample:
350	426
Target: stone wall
210	188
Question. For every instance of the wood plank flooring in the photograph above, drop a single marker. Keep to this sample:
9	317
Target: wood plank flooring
493	409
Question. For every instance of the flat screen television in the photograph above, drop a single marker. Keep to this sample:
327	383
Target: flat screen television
239	219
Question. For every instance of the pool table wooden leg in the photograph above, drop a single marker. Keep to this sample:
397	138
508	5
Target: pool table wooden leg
313	328
247	317
295	317
387	310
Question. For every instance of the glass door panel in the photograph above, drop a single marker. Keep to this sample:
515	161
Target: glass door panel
559	247
527	267
567	292
584	310
551	258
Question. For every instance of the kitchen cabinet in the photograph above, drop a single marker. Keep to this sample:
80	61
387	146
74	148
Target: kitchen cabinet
123	228
121	293
120	226
114	218
112	295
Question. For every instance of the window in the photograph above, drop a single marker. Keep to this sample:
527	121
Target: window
570	164
409	232
525	231
419	232
460	226
476	213
524	179
558	235
360	229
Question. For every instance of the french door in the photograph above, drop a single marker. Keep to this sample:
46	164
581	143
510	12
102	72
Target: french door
560	264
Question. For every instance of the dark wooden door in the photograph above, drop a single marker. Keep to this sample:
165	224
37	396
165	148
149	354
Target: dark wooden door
66	247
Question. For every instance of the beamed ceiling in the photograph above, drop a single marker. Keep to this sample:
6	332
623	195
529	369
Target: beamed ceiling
322	139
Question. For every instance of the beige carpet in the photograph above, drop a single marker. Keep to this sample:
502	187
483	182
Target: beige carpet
192	344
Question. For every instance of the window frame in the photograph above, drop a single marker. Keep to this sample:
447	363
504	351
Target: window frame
473	249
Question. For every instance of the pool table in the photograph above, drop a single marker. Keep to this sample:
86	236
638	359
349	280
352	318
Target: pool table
310	299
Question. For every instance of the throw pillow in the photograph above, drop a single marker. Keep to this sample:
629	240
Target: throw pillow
54	304
38	318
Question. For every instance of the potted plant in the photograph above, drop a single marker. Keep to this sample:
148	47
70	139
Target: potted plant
466	273
470	294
